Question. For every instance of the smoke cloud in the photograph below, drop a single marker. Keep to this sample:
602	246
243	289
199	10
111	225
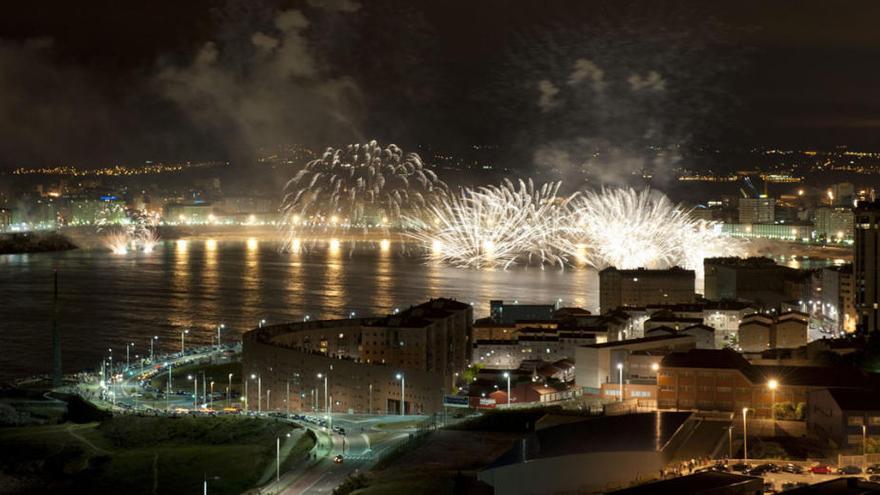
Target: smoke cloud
272	91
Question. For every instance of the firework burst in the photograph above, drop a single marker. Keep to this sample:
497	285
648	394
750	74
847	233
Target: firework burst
360	185
495	226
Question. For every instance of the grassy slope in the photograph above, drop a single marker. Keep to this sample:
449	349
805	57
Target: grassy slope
143	455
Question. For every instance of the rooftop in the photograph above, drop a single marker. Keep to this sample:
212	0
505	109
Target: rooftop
643	340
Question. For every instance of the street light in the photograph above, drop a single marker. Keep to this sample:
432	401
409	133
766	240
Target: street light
620	371
195	391
278	457
211	399
127	361
219	327
155	337
745	435
507	375
326	396
229	391
772	384
182	341
259	379
864	443
402	393
268	397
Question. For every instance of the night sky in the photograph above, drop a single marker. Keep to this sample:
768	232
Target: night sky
100	82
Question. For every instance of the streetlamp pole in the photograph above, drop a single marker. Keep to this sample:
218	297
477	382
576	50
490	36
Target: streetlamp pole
183	341
287	400
370	406
229	391
127	360
277	458
730	442
773	385
211	397
268	397
620	372
745	435
219	327
246	408
864	444
402	378
259	393
155	337
507	375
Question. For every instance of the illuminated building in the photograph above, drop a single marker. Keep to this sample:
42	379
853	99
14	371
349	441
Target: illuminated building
642	287
834	224
428	344
757	210
865	265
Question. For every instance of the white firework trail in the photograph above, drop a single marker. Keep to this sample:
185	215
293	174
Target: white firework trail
498	226
127	229
360	185
628	229
495	226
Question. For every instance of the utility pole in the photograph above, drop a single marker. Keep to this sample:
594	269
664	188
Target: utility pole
56	336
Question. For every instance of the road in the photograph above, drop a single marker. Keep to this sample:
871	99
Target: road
365	440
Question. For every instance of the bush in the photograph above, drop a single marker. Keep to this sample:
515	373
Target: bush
352	483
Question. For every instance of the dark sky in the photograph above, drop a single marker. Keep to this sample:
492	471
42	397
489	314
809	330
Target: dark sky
98	82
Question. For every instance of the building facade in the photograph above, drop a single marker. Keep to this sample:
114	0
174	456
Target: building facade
865	265
360	359
643	287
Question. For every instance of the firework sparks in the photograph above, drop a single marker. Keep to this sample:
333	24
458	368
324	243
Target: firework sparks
361	185
495	226
524	224
124	230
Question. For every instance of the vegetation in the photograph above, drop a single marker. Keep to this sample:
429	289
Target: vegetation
352	483
790	411
142	455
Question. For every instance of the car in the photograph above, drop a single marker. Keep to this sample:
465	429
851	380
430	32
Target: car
338	459
873	469
820	469
740	467
720	466
791	468
849	470
761	469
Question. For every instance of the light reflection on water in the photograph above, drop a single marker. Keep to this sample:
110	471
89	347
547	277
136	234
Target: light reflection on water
108	300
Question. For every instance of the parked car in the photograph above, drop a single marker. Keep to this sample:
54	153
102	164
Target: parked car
874	477
873	469
338	459
849	470
792	468
740	467
820	469
762	469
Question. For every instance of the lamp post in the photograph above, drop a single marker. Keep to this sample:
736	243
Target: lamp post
507	375
127	360
211	397
268	397
259	379
402	379
864	443
730	442
229	391
325	376
287	400
219	327
195	381
772	384
155	337
370	405
620	372
246	401
745	435
183	341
